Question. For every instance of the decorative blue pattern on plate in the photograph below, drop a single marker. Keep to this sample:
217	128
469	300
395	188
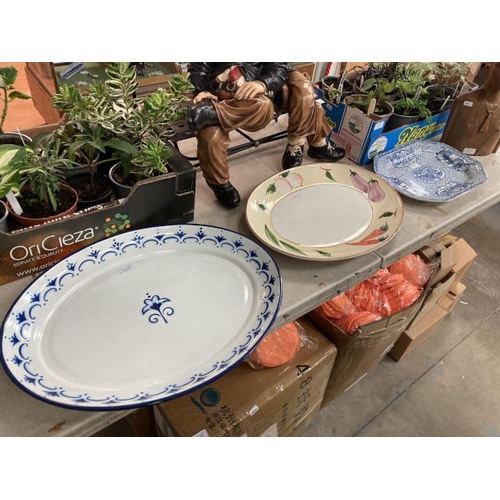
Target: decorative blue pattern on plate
430	171
98	331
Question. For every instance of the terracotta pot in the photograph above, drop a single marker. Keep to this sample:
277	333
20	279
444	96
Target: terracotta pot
28	221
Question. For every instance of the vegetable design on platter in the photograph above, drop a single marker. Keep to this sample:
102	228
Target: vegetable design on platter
328	175
285	183
371	188
278	242
373	238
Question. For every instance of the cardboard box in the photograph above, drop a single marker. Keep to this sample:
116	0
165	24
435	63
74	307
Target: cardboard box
449	301
450	255
450	258
426	325
168	199
363	137
247	402
418	332
360	352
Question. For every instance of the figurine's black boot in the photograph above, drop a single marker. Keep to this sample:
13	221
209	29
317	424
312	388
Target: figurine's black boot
202	115
292	157
226	194
326	153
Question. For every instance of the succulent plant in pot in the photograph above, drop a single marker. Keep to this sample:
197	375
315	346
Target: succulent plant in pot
149	161
34	176
8	93
112	121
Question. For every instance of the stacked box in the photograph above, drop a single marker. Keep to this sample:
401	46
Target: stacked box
451	257
427	324
360	352
270	402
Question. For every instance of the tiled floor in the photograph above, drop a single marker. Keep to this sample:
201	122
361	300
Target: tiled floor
449	386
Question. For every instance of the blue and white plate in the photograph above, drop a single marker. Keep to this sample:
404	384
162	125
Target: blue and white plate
430	171
141	318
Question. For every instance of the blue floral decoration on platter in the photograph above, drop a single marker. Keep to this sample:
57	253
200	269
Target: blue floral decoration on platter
156	308
430	171
20	360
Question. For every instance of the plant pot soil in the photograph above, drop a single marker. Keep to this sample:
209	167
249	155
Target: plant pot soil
36	212
441	97
91	194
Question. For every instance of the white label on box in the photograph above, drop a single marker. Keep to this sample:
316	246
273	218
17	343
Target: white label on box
271	431
379	124
469	151
72	69
469	104
252	411
202	434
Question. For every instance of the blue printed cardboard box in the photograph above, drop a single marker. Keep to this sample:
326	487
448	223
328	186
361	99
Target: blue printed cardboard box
364	138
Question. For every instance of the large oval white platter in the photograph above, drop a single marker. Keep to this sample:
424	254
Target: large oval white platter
324	211
141	318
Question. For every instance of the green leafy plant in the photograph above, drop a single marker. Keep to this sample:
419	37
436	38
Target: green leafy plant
111	120
8	77
151	160
450	73
409	106
37	167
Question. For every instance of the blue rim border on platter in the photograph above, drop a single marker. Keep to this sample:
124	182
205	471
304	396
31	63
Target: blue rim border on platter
456	163
65	269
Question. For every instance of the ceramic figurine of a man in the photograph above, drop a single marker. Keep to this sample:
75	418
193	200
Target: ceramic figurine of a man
231	96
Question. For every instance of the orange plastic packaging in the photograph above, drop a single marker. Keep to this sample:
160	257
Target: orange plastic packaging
337	307
387	292
355	320
277	347
413	268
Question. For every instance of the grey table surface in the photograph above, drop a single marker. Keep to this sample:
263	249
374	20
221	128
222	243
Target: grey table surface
306	284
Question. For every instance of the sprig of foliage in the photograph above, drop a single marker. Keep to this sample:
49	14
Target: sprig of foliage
8	77
38	167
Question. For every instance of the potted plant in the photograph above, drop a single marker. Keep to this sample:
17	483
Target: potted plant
8	93
149	161
374	101
445	86
34	176
336	89
410	104
408	110
110	122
